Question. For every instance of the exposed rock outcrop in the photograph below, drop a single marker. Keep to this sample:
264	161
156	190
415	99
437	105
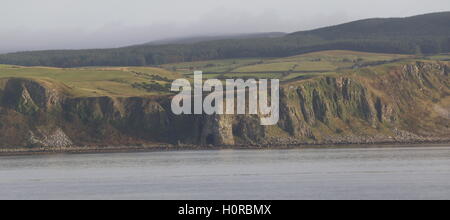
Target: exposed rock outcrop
29	96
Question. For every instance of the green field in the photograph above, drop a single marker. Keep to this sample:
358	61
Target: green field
146	81
211	65
287	68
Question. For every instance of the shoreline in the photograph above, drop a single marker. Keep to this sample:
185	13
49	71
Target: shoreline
5	152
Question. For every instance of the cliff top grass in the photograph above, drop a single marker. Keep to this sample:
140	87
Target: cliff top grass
153	81
98	81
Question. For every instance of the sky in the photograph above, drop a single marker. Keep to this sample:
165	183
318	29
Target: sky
79	24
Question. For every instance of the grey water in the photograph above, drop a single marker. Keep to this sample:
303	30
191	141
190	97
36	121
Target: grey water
322	173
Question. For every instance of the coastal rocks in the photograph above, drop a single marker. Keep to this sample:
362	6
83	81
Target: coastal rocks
49	138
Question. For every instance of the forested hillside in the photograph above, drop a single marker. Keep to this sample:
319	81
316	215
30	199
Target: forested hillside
425	34
198	39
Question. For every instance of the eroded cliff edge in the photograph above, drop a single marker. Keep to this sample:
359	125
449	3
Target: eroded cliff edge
390	104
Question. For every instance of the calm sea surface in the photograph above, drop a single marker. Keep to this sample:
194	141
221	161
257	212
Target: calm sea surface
346	173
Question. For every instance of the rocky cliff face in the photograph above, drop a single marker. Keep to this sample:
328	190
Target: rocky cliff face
394	106
404	103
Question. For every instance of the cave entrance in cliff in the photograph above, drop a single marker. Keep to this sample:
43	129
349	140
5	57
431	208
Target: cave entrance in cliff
210	139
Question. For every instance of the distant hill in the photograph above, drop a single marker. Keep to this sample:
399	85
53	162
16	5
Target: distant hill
422	25
198	39
423	34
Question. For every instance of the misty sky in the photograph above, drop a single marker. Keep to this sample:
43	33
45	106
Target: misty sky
76	24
